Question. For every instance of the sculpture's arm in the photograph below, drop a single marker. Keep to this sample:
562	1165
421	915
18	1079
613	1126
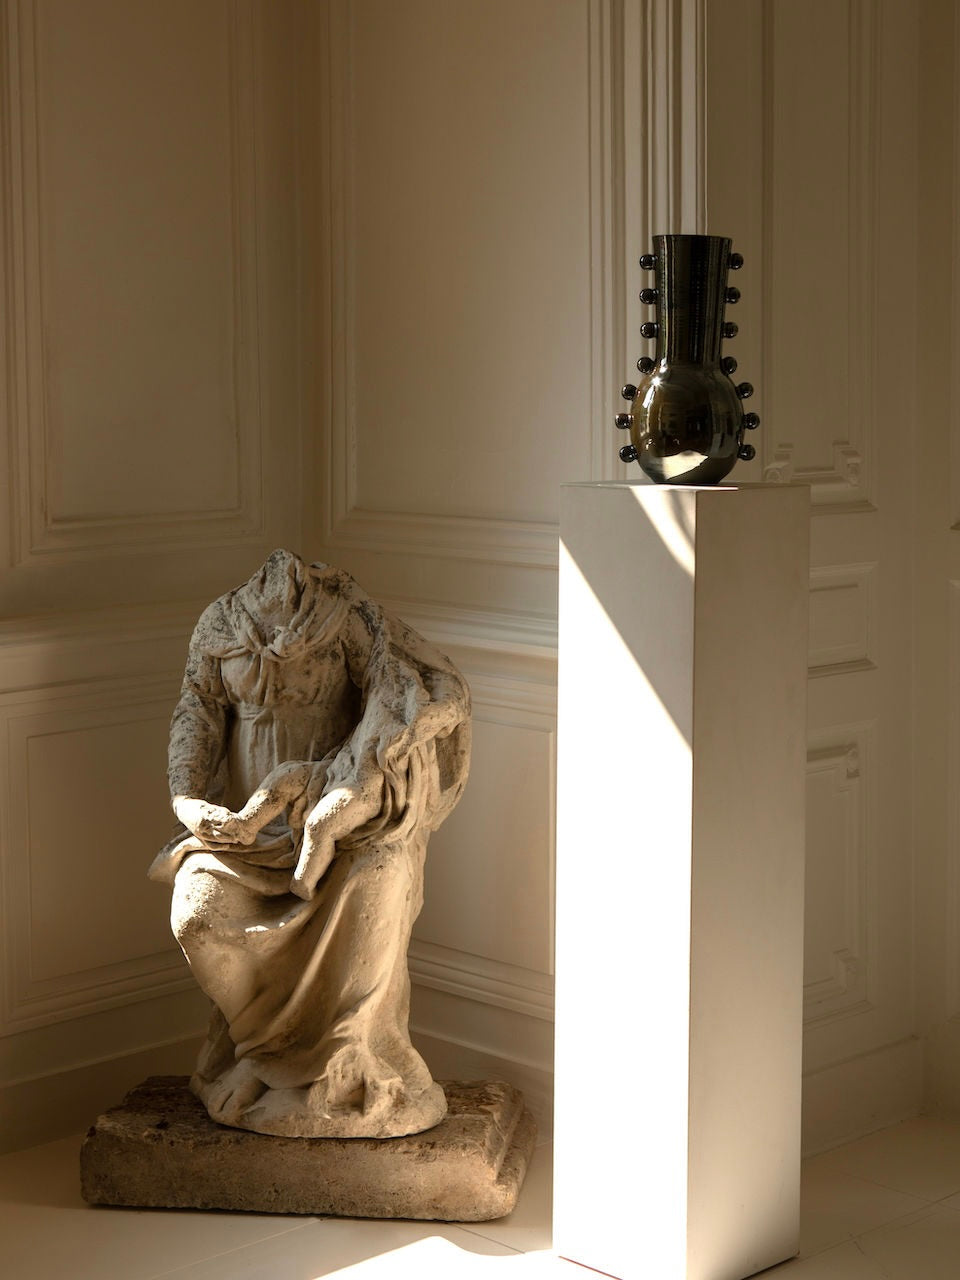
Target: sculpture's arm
341	810
198	733
409	699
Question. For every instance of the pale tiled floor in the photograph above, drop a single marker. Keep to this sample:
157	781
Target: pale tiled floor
884	1208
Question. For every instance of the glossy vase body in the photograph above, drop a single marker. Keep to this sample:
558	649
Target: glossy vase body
687	420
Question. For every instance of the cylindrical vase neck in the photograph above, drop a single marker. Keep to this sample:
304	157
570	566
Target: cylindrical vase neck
691	282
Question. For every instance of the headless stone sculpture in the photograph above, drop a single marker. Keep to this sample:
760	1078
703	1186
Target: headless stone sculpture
316	744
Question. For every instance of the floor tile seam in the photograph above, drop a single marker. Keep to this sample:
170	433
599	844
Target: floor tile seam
804	1255
872	1182
853	1237
905	1220
849	1237
901	1190
947	1208
874	1262
485	1235
226	1253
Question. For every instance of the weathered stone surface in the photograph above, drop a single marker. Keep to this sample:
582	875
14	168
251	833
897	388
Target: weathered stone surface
160	1149
317	743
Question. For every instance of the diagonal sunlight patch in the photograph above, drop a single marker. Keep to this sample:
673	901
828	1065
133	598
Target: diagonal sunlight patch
598	632
435	1258
669	521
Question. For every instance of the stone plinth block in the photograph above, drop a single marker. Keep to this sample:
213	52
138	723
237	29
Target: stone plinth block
160	1149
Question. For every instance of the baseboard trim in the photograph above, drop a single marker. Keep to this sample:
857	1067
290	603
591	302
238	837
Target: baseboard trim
66	1102
854	1097
841	1102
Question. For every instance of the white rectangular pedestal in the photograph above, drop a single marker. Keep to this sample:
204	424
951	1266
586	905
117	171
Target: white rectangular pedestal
681	774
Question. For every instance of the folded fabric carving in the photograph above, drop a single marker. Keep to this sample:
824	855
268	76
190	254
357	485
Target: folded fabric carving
316	744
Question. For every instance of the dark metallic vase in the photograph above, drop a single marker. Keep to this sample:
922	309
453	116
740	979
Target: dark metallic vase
686	421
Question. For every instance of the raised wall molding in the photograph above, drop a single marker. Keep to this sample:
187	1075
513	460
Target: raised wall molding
478	978
123	624
31	998
38	532
840	851
843	477
506	951
138	642
846	468
674	122
843	619
482	632
527	544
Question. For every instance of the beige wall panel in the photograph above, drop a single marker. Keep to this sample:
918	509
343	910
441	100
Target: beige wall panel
141	379
820	134
490	866
489	877
471	254
471	301
151	299
838	871
85	811
813	174
843	621
138	292
95	796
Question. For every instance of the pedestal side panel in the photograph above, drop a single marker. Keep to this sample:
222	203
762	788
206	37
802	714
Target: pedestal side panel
623	876
749	726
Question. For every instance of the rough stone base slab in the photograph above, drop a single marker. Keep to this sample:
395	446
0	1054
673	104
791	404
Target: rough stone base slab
160	1149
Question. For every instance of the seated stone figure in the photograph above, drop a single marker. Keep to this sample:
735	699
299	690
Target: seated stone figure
316	744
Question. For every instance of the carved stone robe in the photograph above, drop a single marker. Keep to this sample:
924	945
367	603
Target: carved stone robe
311	998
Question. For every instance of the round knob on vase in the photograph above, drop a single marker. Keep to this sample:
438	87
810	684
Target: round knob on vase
736	261
650	328
628	391
751	421
728	365
746	452
744	390
628	453
649	296
622	421
646	365
648	261
730	330
733	294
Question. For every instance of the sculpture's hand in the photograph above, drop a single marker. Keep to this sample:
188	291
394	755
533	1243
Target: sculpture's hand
339	813
281	787
210	822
